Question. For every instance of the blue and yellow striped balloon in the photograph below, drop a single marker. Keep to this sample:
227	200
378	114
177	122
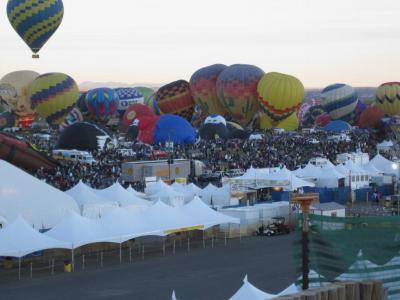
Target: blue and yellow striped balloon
35	20
339	100
53	96
151	102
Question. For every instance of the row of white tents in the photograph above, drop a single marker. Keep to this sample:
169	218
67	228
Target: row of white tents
326	175
19	238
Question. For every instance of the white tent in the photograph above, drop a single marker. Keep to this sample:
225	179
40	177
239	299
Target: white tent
121	225
202	215
136	193
37	202
219	196
291	289
372	171
157	187
286	179
385	146
249	291
19	239
384	165
187	192
77	231
308	172
328	176
173	296
92	205
123	197
169	196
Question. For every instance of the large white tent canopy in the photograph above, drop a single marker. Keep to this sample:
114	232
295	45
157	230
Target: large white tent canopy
384	165
19	239
249	291
37	202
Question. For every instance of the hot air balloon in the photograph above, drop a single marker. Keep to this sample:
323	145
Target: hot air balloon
203	85
102	103
214	127
360	107
371	118
73	117
134	111
388	98
151	103
7	119
236	131
81	104
337	126
53	96
126	97
175	98
14	90
339	100
35	21
175	129
312	114
237	92
279	95
146	92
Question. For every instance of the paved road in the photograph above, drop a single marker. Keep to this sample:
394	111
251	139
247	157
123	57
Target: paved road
201	274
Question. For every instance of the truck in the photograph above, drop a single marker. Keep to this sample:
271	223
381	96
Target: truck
161	169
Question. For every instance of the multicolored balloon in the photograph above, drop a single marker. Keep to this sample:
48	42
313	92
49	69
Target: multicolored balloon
35	21
203	85
134	111
14	90
312	114
73	117
101	103
175	98
151	103
388	98
291	123
339	100
53	96
237	92
127	97
279	95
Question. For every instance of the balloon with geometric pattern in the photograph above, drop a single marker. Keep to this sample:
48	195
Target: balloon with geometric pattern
237	92
53	96
388	98
339	100
35	21
101	103
151	103
175	98
146	92
127	97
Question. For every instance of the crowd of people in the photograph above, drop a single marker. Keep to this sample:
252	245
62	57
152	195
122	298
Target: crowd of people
273	150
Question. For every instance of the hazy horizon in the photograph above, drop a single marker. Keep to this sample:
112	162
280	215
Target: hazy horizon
154	41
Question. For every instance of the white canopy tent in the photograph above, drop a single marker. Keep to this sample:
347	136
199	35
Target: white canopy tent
136	193
37	202
385	146
123	197
216	196
157	187
187	192
249	291
169	196
286	179
384	165
91	204
308	172
19	239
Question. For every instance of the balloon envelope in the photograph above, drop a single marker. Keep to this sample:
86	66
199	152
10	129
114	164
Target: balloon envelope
237	92
175	129
74	116
134	111
388	98
339	100
101	103
203	86
35	21
214	127
279	95
371	117
151	103
14	90
175	98
127	97
337	126
53	96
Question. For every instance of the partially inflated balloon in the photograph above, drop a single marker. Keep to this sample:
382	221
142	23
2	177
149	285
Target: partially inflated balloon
311	114
290	123
151	103
73	117
35	20
134	111
279	95
388	98
339	100
14	90
175	129
126	97
175	98
146	92
237	92
102	103
203	85
371	117
214	127
53	96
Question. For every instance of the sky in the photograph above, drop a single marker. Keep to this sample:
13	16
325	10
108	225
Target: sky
159	41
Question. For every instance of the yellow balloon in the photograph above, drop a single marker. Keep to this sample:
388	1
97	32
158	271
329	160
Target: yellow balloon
14	90
279	95
388	98
291	123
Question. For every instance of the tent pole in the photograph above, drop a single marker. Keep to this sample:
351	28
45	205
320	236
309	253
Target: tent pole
19	268
204	242
174	247
31	270
240	234
72	259
130	254
120	253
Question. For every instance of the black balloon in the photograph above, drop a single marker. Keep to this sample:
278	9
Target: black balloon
236	131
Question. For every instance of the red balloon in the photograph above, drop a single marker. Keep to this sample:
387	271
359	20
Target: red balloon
134	111
146	126
371	117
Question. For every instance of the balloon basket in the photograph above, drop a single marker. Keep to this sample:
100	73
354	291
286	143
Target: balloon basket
35	56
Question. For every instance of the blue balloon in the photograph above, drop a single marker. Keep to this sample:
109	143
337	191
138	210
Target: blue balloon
175	129
337	126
